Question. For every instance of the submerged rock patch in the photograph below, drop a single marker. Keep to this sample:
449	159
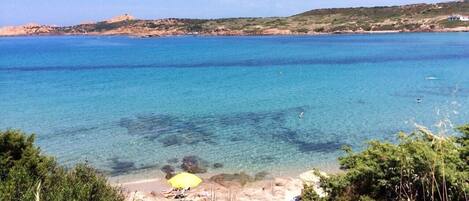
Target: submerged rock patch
168	170
119	167
172	130
323	147
149	124
168	130
293	137
217	165
194	164
187	138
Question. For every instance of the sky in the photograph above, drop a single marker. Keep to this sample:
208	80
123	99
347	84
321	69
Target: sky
69	12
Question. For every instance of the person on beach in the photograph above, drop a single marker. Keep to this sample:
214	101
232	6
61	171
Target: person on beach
176	193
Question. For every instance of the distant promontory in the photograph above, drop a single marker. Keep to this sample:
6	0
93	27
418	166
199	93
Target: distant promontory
440	17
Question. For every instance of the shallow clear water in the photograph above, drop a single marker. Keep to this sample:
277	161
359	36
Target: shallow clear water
251	103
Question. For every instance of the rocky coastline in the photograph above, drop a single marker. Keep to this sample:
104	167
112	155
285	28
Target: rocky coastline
47	30
392	19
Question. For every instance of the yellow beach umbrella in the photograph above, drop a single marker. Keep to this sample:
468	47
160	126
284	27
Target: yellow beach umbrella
185	180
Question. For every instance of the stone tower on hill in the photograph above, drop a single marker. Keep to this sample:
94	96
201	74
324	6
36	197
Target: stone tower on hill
119	18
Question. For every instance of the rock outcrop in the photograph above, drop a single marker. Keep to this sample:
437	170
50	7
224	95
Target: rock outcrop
27	29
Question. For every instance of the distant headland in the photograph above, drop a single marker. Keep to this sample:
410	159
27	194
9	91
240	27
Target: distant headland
440	17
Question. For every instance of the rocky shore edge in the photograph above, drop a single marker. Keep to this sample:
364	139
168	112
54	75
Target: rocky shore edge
47	30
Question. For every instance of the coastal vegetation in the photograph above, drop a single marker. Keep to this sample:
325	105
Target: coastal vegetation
407	18
27	174
422	166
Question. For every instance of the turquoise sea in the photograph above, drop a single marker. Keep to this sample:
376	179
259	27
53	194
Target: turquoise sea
271	103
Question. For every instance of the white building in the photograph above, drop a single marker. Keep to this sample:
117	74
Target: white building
458	18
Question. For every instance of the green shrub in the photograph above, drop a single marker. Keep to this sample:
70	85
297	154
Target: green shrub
26	173
422	166
308	194
385	27
464	143
320	29
194	28
302	30
452	24
366	27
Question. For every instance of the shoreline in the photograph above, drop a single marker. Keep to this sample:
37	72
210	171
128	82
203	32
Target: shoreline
266	189
131	35
274	186
279	188
329	167
422	17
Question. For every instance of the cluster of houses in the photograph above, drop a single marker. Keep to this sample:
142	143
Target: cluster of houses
458	18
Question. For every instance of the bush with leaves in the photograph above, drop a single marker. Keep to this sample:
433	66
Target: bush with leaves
27	174
421	166
309	194
464	142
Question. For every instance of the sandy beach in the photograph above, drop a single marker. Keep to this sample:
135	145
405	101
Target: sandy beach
284	188
149	185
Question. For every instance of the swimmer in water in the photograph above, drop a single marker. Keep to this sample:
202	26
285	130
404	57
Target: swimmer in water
301	115
419	100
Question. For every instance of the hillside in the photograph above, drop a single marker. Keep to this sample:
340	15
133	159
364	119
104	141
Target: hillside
408	18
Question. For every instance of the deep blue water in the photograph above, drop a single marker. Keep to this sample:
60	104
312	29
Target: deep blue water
251	103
